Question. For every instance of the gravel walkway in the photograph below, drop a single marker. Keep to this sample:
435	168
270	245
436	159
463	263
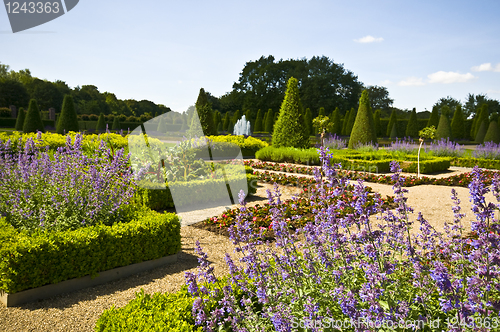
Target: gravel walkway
80	310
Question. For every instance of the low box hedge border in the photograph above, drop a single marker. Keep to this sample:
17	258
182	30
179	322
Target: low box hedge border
471	162
30	261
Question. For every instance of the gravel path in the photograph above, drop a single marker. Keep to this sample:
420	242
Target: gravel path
80	310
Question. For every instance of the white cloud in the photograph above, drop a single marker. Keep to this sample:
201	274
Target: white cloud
386	82
412	81
369	39
486	67
449	77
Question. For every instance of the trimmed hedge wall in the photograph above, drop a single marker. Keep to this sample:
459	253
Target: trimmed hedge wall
11	123
155	197
471	162
30	261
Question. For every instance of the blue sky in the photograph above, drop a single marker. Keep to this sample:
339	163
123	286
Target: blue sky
165	51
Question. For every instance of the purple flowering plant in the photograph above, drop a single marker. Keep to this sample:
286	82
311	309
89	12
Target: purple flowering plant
445	148
487	150
65	189
355	268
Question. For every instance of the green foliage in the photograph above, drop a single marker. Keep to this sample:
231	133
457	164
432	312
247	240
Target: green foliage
33	121
68	120
101	123
162	126
394	132
159	312
205	114
434	119
392	120
350	121
344	124
444	128
427	132
236	116
481	133
116	123
363	131
289	130
269	121
308	122
20	119
376	122
493	133
258	122
412	127
458	124
336	123
321	111
50	257
321	123
483	117
225	123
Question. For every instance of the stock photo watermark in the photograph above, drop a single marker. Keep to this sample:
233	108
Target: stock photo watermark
24	15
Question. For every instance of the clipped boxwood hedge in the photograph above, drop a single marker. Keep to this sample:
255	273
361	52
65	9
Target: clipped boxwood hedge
30	261
354	160
156	197
471	162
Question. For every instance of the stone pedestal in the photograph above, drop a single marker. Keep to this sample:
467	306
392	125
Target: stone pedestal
13	111
52	114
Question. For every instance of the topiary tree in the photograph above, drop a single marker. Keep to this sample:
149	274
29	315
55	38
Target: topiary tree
392	121
162	126
444	128
68	120
344	124
258	121
321	123
481	133
394	132
336	122
225	123
458	124
33	121
363	131
101	123
116	124
321	111
20	119
412	126
482	117
269	121
350	122
434	119
308	122
376	123
205	114
230	128
289	130
493	133
236	116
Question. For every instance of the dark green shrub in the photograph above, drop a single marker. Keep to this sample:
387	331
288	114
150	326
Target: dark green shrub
5	112
363	131
336	122
20	119
205	114
434	119
394	132
376	123
308	122
258	121
344	124
351	120
101	123
116	123
289	130
458	124
412	126
444	129
68	120
33	121
481	132
392	120
492	134
483	115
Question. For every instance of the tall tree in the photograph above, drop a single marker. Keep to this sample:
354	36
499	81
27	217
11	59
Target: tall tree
352	119
336	122
20	119
379	97
289	130
33	121
363	131
483	116
308	122
393	120
101	123
412	126
376	122
444	129
205	114
68	120
451	102
434	119
269	121
458	124
344	124
258	122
